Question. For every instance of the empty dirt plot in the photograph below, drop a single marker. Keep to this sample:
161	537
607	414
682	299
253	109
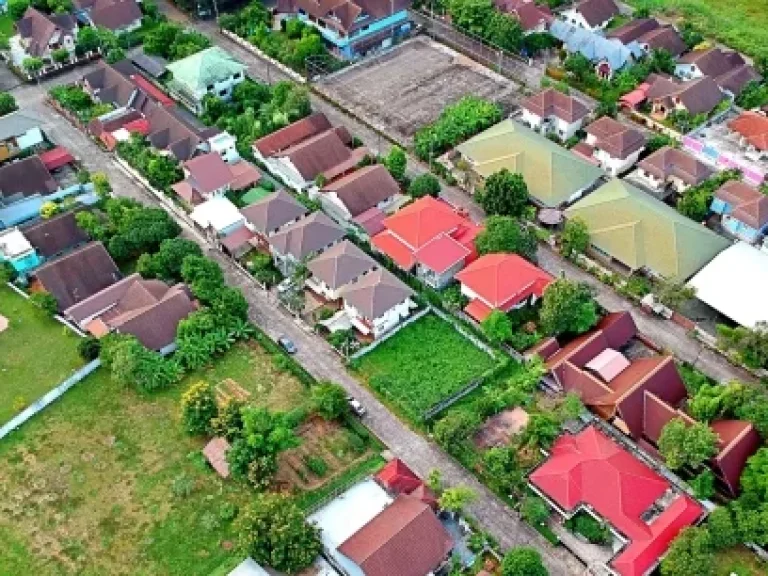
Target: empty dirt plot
406	88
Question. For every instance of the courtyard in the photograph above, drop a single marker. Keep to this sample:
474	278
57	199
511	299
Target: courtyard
407	87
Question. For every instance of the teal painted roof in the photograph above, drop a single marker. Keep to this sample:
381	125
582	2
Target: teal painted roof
198	71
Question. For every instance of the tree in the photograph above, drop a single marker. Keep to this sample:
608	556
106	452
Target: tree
661	62
497	327
101	184
453	429
471	15
396	162
330	400
166	263
658	141
571	407
435	481
691	37
48	210
523	562
568	307
115	55
160	39
274	532
703	485
45	301
541	430
89	348
505	194
690	554
754	479
88	40
456	499
131	364
754	95
229	421
16	8
198	408
575	237
503	469
534	510
7	103
674	294
686	445
505	31
578	66
424	185
723	531
32	65
509	235
749	345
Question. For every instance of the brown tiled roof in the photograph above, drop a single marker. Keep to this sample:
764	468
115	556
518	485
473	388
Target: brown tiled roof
307	236
208	172
738	441
341	264
648	31
749	205
364	188
736	79
405	539
38	28
753	127
273	212
376	293
54	236
615	138
292	134
317	154
115	14
551	102
596	12
169	132
79	274
528	12
668	161
727	68
26	177
698	96
244	175
344	15
633	30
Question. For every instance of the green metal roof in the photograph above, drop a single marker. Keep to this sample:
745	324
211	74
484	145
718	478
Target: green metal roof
200	70
552	173
642	232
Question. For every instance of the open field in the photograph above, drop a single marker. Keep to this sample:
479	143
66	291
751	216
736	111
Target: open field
98	482
423	364
740	561
408	87
36	354
741	24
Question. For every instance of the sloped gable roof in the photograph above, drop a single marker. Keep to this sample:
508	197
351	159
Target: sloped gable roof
376	293
552	173
422	221
753	127
307	236
341	264
55	235
668	161
115	14
596	12
504	279
594	46
364	188
292	134
748	204
551	102
615	138
273	211
640	231
206	67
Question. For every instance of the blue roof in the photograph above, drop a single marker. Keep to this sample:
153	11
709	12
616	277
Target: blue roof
594	46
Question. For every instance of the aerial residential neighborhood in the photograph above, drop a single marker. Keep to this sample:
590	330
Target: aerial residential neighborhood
365	288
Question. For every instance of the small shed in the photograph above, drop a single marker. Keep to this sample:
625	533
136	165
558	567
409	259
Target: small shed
216	454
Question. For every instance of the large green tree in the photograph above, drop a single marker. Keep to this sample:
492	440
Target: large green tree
274	532
396	162
329	400
690	554
166	263
575	238
457	498
523	562
424	185
505	193
683	444
497	327
568	307
507	234
7	103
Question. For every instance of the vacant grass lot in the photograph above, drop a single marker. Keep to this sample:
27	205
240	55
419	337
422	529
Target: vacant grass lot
97	483
741	24
36	353
740	561
423	364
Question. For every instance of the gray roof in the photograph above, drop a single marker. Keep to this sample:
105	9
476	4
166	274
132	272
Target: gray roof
307	236
152	65
593	46
341	264
273	212
17	123
26	177
376	293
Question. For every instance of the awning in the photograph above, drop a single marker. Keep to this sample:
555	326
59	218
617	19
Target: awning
56	158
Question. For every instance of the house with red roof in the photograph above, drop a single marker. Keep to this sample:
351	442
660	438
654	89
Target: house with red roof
588	472
501	282
752	130
429	238
396	478
208	175
639	396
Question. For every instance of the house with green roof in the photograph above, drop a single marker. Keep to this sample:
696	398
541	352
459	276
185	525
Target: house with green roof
642	233
211	71
554	175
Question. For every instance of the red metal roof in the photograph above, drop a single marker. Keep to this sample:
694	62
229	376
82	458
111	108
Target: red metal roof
398	478
424	220
152	91
478	310
589	468
441	253
56	158
139	126
389	244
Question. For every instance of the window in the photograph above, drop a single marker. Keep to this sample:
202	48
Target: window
210	87
238	76
223	92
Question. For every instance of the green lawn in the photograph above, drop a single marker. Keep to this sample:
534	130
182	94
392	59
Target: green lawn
423	364
36	354
741	24
740	561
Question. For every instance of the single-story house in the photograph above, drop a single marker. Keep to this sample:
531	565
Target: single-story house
636	230
303	240
614	145
607	54
501	282
668	95
554	175
150	310
212	71
552	112
217	217
673	167
590	472
19	131
40	34
593	15
208	175
744	210
339	266
78	275
377	302
397	478
267	216
650	35
752	128
430	237
364	189
727	68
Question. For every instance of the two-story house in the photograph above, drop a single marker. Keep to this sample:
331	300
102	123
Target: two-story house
119	16
377	302
271	214
370	187
352	28
40	34
592	15
429	238
744	210
336	268
751	128
209	72
727	68
303	240
208	175
650	35
615	146
552	112
670	167
668	95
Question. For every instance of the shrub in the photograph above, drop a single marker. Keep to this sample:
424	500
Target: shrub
424	185
45	301
89	348
228	512
198	408
316	465
182	486
591	529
